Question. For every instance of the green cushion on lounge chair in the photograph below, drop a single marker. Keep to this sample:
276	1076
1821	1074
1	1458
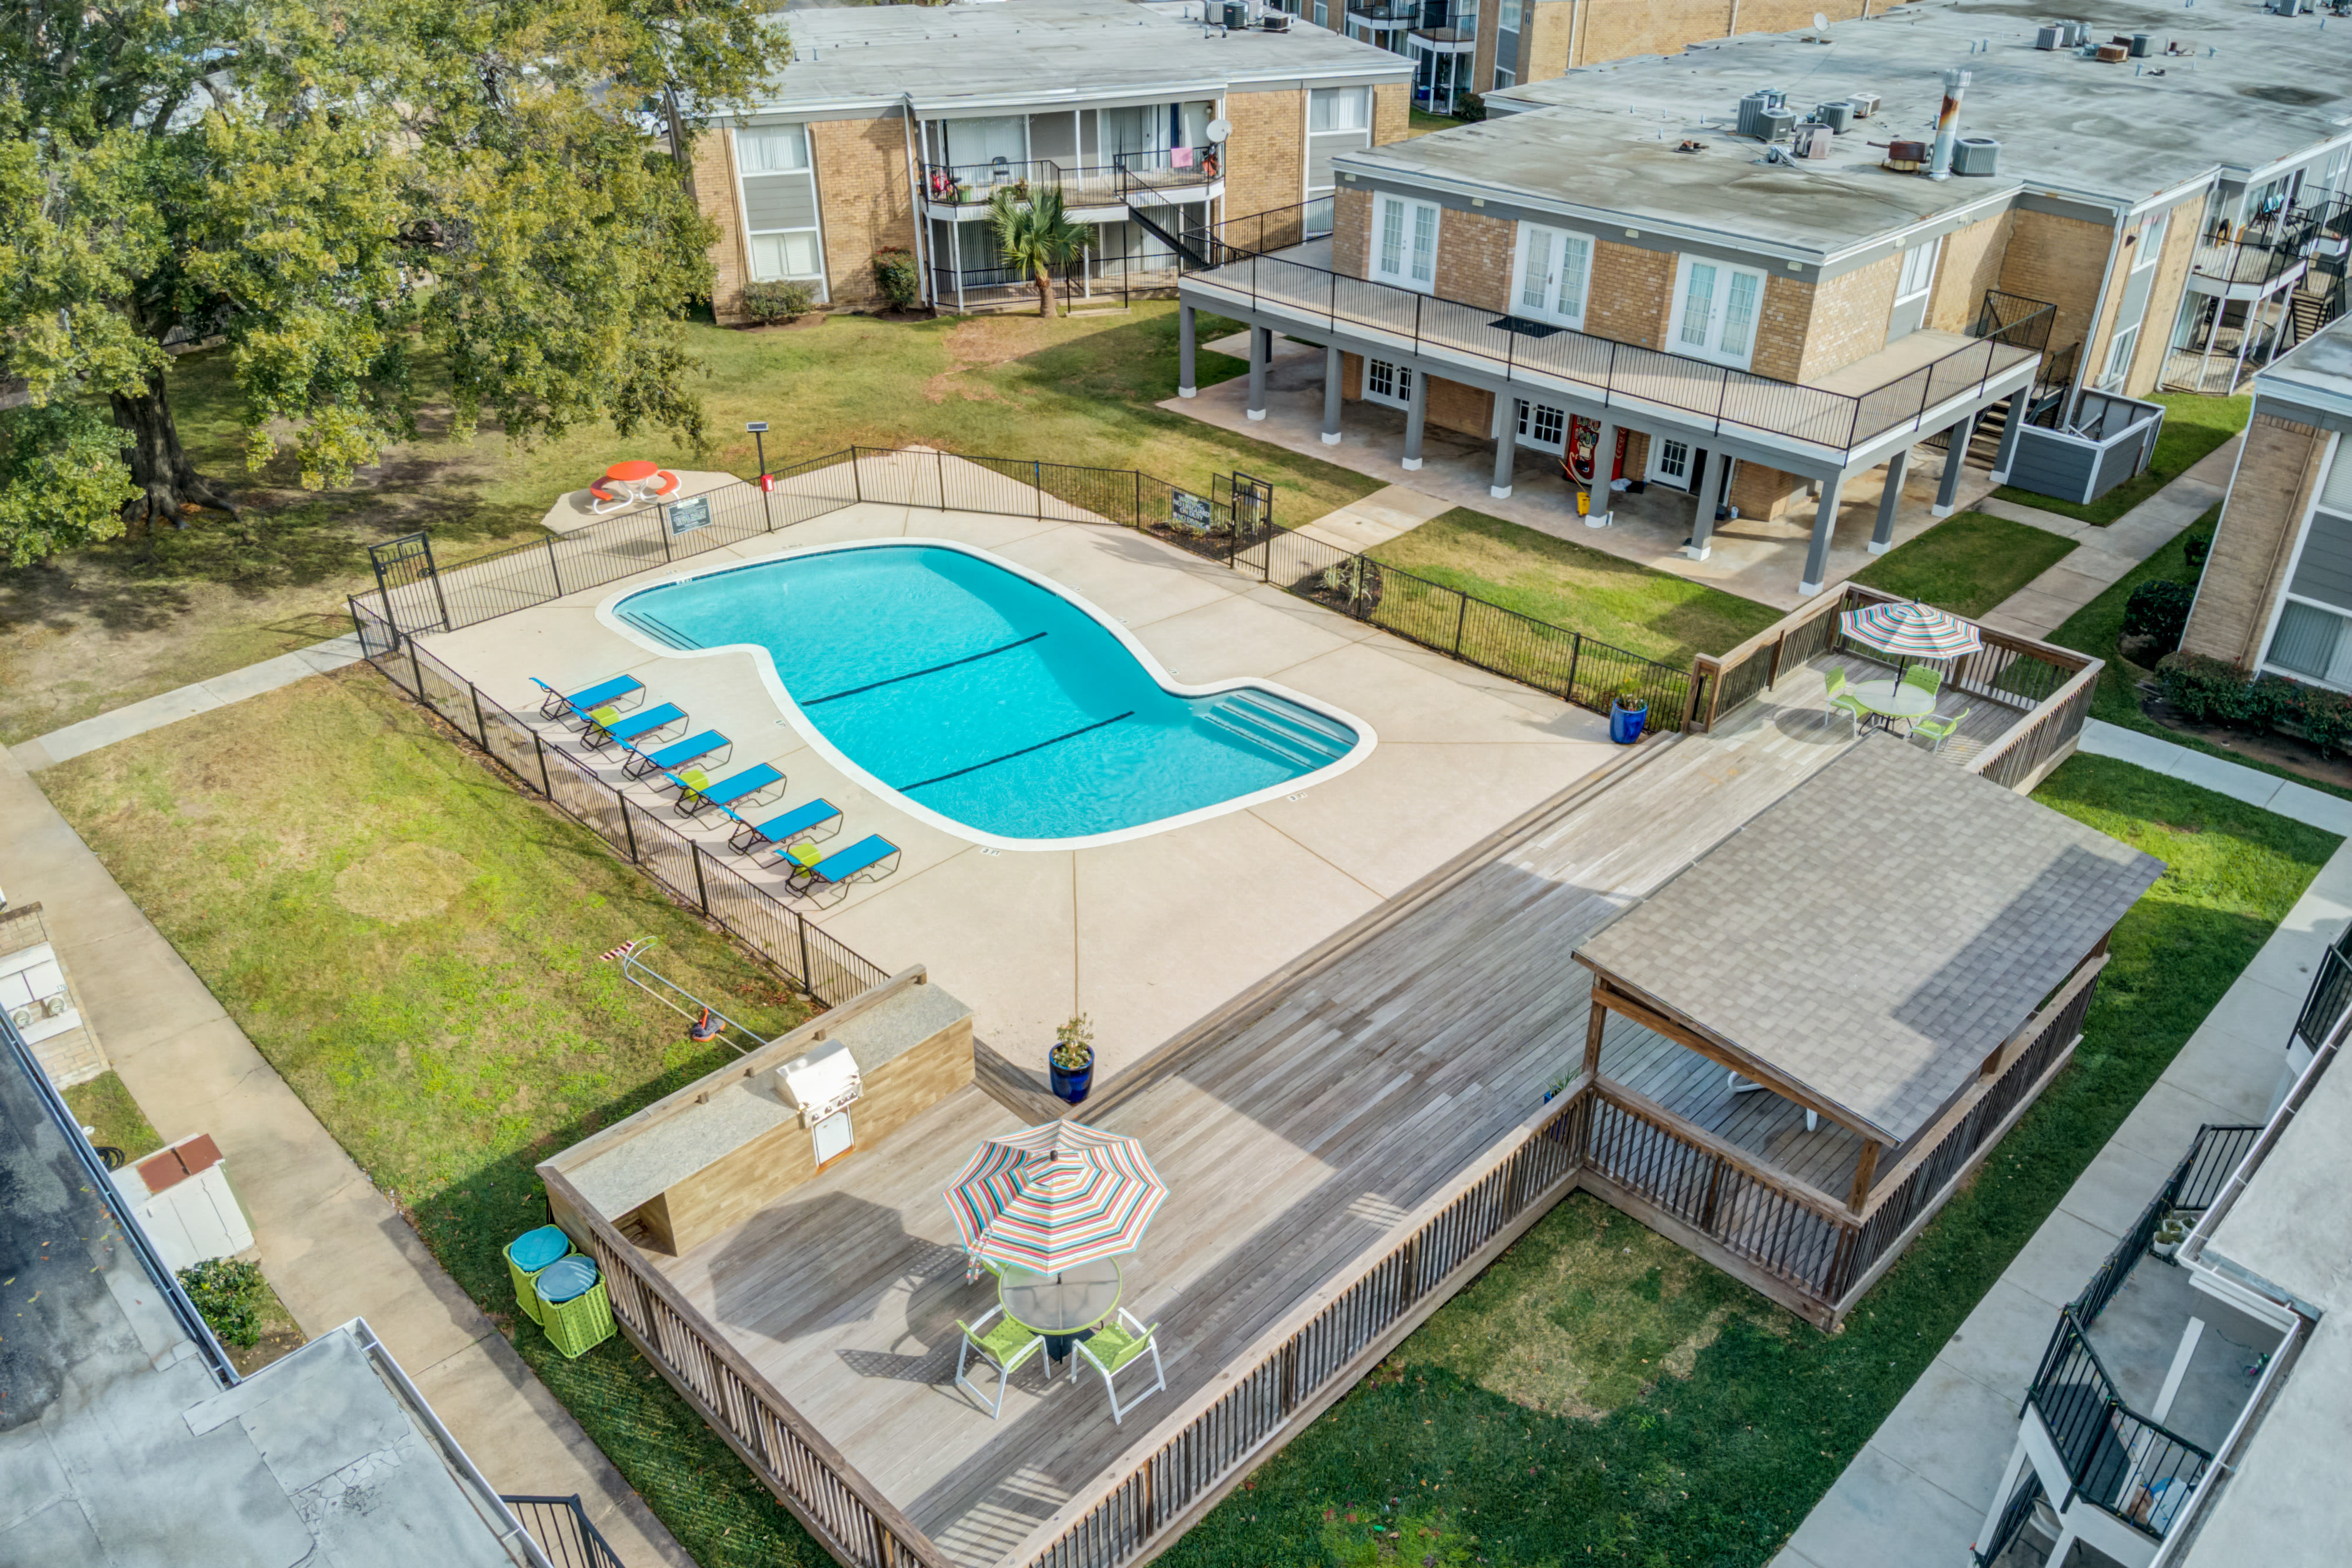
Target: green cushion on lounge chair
600	717
693	778
802	855
1007	1343
1113	1347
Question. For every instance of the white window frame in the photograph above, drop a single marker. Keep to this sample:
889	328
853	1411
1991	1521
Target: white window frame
2122	343
2339	450
1554	244
1399	393
1710	344
1530	416
1659	472
816	210
1413	237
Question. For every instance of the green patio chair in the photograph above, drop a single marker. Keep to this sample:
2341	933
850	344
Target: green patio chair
1840	700
528	1256
1939	729
1925	678
574	1308
1004	1347
1118	1344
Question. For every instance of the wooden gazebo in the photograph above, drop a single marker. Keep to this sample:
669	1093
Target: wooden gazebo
1801	1043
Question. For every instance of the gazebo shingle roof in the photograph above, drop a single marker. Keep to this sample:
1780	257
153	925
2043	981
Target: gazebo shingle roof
1878	931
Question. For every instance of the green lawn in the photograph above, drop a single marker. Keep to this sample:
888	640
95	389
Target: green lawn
1421	123
105	1107
1599	1396
1657	614
2193	426
413	946
125	620
1968	563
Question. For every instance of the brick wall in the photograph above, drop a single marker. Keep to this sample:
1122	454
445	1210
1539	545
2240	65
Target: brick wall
1392	112
2164	300
864	200
1474	258
1970	264
1351	225
1849	318
714	193
1781	324
1453	407
1615	29
2059	259
2277	475
1760	491
1546	38
1632	291
1266	157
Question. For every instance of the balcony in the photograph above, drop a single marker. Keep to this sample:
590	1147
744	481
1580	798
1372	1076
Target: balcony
1381	14
2259	259
1920	383
962	192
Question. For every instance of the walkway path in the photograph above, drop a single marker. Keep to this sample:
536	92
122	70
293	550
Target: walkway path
170	707
2103	555
333	1246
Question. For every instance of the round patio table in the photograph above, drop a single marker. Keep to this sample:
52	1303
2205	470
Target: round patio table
636	470
1891	699
1062	1307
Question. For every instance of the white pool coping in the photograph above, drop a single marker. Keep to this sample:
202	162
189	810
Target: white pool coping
608	612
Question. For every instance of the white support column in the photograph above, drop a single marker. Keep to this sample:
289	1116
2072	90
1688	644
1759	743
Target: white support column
2010	1475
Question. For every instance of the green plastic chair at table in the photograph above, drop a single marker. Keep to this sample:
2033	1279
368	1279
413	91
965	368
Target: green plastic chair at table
1841	699
1939	729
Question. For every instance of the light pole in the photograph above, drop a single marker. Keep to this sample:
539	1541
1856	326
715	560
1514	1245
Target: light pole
759	429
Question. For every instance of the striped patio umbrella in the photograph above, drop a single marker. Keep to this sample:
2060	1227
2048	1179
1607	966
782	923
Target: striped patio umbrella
1910	631
1049	1198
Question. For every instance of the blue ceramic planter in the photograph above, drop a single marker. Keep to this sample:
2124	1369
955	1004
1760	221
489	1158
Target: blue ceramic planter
1625	723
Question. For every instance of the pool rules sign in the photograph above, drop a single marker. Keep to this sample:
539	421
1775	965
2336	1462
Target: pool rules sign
686	516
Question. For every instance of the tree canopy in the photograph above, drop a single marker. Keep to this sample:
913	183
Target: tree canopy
335	188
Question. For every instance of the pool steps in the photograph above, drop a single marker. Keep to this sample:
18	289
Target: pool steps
1297	737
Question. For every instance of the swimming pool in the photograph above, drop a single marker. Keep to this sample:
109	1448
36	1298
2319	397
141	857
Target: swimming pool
988	699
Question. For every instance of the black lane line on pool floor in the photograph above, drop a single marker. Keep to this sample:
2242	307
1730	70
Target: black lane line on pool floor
1074	734
934	669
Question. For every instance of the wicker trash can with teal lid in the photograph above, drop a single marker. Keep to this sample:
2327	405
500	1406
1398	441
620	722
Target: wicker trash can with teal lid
528	1255
573	1305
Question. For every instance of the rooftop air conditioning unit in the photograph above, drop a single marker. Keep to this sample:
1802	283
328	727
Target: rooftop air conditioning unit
1865	104
2284	7
1774	124
1838	116
1975	155
1756	105
2142	44
1814	141
2050	35
1237	14
2077	33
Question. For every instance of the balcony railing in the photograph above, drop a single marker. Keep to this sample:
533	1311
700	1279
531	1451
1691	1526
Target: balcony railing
2258	253
1082	186
1245	263
2134	1468
1169	169
2194	1183
1403	12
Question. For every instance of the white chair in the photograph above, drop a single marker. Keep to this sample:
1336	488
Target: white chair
1742	1086
1004	1347
1116	1346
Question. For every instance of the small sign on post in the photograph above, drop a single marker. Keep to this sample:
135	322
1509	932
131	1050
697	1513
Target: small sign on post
688	515
1190	512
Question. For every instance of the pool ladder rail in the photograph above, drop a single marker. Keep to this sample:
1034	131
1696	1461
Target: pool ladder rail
1302	739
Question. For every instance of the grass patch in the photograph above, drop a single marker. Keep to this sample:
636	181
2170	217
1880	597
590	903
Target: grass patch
91	631
1596	1396
2193	426
414	947
105	1107
1421	123
2097	629
1654	614
1967	564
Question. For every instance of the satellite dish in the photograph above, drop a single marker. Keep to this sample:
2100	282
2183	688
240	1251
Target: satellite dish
1219	130
1821	23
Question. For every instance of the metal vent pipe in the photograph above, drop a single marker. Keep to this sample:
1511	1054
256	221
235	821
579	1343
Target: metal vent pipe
1947	124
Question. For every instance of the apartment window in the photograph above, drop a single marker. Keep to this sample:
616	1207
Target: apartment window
1339	120
2131	310
1404	242
1542	426
2313	638
778	198
1670	461
1389	383
1555	269
1506	44
1913	284
1715	311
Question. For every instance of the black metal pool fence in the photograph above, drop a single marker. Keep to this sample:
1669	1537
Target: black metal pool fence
1234	524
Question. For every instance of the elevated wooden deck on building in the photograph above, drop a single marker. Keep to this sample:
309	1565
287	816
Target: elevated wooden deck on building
1292	1136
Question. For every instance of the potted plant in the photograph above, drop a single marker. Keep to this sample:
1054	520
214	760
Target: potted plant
1627	712
2171	1232
1072	1060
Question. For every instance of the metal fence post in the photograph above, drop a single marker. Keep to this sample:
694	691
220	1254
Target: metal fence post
1136	521
546	785
553	573
1460	618
939	472
481	726
628	829
808	970
702	889
416	672
857	482
1575	654
663	529
1037	483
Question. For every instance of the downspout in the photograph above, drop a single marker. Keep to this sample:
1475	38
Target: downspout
915	192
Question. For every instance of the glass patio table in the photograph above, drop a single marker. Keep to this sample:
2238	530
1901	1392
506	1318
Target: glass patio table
1891	699
1062	1307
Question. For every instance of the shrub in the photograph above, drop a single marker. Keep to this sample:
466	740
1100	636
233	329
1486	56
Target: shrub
770	302
2158	610
228	1292
895	275
1469	106
2214	691
2195	550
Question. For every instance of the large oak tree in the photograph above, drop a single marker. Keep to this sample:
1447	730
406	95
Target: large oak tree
336	186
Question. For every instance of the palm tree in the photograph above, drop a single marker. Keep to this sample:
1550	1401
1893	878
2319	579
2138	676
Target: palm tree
1036	235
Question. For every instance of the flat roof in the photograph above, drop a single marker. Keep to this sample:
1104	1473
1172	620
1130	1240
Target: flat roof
1039	53
2318	371
118	1448
1877	933
1602	139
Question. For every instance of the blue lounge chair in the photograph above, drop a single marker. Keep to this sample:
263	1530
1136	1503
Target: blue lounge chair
695	790
675	755
871	856
608	694
800	821
606	724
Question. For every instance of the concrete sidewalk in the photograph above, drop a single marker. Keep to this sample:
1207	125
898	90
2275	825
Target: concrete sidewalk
2268	790
167	708
330	1244
2103	555
1919	1490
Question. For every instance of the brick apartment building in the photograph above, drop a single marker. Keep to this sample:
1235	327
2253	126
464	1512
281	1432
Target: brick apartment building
1610	259
893	125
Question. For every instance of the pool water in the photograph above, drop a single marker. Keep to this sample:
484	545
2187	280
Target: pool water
989	698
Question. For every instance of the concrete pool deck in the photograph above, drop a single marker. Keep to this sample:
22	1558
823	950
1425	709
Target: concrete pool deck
1147	935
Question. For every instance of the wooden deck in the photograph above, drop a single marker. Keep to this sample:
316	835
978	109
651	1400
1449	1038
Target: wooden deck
1293	1135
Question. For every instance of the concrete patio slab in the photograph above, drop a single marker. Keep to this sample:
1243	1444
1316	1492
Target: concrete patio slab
1885	1517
